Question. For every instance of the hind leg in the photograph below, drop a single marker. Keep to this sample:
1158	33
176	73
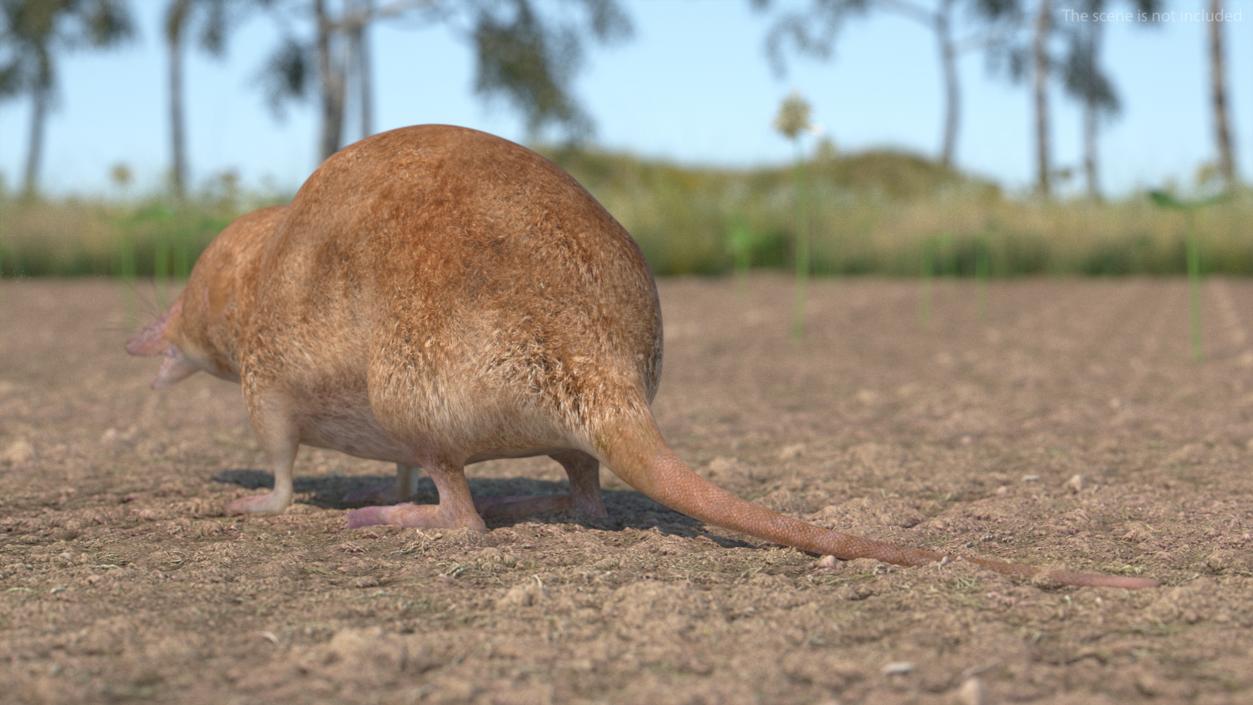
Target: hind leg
406	481
280	439
455	509
406	486
583	472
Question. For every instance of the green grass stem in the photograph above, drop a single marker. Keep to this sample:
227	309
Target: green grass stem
802	245
1194	292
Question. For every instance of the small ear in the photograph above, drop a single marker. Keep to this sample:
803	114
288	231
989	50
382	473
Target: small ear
149	341
174	368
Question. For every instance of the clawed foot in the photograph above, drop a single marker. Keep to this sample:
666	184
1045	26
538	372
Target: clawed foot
268	503
590	507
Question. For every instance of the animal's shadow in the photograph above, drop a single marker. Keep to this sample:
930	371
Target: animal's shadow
627	508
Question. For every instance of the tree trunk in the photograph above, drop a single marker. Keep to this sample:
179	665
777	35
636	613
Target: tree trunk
40	94
362	68
1218	95
1043	173
952	88
331	74
365	81
175	21
1092	39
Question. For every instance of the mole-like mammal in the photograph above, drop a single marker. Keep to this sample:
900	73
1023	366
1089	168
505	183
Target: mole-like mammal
436	296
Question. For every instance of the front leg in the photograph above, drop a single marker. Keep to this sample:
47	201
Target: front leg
280	440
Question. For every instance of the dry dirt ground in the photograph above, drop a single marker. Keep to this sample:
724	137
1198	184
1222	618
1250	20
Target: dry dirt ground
1050	422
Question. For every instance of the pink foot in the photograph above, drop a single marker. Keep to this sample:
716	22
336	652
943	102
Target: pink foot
367	516
419	516
269	503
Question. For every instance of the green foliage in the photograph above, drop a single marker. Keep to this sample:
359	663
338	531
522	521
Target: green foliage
1164	199
33	32
526	53
870	213
95	238
530	60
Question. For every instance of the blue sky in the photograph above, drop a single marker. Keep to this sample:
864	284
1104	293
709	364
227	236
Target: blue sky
693	84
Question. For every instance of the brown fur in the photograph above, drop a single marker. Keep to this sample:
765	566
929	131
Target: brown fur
437	296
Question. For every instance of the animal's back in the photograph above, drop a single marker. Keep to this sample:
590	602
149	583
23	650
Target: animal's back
459	284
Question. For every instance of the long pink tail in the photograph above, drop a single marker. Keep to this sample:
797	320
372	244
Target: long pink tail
636	452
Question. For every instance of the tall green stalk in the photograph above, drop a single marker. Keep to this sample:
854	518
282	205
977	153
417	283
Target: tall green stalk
982	267
1194	288
1193	254
740	242
182	258
802	244
928	272
127	268
792	121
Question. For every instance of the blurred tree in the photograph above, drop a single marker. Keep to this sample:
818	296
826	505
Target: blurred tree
812	31
121	175
1079	69
211	19
522	55
1218	94
1040	69
32	34
1085	80
360	71
331	73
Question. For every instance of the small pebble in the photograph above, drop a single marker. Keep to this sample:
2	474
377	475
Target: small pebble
523	594
1076	483
1030	478
19	452
1223	560
1138	531
791	451
898	668
972	692
827	562
1149	684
